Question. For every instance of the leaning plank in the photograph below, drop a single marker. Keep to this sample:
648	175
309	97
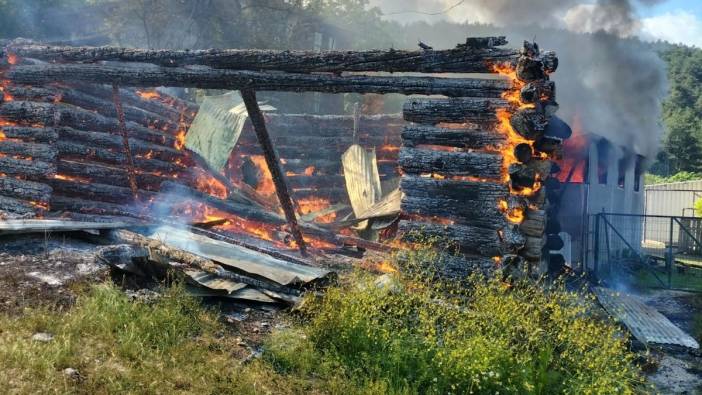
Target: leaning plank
59	114
239	258
466	238
462	137
474	164
37	151
458	110
28	168
464	58
18	226
26	190
207	78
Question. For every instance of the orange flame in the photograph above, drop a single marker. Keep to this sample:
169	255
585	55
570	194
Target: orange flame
265	185
71	178
12	59
148	95
313	205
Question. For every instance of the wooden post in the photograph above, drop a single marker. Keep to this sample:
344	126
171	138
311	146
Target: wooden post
281	188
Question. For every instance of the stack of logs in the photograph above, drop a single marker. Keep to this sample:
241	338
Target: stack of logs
60	148
474	169
474	163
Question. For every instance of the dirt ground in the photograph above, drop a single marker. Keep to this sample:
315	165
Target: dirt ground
51	270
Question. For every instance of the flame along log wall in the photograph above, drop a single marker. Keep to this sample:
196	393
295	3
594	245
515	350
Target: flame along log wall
474	169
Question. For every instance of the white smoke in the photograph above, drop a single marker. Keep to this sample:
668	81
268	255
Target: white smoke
615	84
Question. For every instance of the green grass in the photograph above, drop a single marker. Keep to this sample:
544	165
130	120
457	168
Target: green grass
413	337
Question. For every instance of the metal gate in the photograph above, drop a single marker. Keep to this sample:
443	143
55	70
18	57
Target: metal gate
647	251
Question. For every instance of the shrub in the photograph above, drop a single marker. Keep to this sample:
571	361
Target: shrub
488	337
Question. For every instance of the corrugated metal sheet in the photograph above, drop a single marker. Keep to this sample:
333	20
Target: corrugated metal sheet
673	199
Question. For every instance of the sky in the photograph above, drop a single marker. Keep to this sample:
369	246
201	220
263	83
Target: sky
676	21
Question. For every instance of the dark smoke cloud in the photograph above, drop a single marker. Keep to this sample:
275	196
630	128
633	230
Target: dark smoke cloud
612	82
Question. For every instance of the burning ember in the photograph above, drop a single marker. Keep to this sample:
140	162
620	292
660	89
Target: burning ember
575	156
314	205
265	185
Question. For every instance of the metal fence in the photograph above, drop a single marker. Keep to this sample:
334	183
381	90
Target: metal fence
648	251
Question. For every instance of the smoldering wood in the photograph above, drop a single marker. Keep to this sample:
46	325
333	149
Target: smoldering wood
102	174
40	135
465	201
464	138
61	203
317	181
471	57
131	98
273	162
483	214
69	150
476	164
100	192
521	176
333	193
18	207
34	169
523	152
59	114
532	247
207	78
36	151
25	190
328	125
529	123
455	110
89	102
466	238
534	223
138	147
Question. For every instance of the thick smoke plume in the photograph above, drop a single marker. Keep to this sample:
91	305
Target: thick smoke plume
608	79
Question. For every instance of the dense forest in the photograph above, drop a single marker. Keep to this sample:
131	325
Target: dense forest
292	24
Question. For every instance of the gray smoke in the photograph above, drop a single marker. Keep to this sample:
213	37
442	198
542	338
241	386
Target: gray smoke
611	81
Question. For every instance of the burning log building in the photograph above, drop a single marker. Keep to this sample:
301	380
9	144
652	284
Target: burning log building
84	136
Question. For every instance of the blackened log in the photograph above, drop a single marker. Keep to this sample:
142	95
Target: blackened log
100	192
328	125
35	151
18	207
40	135
445	266
312	153
457	110
207	78
315	181
529	123
344	139
466	202
465	138
28	168
534	223
533	248
334	194
523	152
89	102
108	140
132	98
475	164
468	239
59	114
273	164
26	190
69	150
102	174
465	58
91	207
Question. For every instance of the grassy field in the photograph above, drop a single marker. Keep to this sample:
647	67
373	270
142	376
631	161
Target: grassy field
406	336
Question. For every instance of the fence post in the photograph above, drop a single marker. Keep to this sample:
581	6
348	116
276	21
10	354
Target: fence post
596	248
669	258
